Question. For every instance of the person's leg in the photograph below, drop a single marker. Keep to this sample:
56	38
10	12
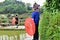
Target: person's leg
16	24
36	35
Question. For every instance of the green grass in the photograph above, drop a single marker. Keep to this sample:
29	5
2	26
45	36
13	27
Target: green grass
12	32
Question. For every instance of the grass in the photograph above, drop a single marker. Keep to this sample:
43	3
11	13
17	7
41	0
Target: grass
12	32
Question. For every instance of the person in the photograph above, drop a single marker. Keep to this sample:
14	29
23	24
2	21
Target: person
13	20
16	22
35	16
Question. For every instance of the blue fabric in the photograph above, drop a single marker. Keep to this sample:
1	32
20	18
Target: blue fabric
35	16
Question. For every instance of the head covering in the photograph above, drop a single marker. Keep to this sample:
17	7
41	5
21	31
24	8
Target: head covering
36	5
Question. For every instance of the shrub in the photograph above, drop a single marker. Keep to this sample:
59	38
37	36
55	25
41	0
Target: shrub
3	19
50	26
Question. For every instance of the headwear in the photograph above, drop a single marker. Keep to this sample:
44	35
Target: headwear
36	5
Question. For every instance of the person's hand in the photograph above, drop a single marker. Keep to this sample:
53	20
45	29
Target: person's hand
32	19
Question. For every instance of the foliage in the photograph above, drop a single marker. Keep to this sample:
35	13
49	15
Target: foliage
50	26
4	20
52	5
50	21
14	6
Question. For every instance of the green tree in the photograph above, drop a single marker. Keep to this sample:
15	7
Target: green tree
13	6
52	5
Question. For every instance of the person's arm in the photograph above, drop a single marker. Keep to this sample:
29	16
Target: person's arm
33	15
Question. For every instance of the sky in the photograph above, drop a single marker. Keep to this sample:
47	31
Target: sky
40	2
1	0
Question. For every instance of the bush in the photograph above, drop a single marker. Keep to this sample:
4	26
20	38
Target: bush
3	19
50	26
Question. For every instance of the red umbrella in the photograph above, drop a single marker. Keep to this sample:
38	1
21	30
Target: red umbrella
30	26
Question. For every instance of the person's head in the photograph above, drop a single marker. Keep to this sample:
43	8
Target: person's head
16	15
35	6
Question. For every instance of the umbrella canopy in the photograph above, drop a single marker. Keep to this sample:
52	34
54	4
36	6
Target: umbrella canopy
30	26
